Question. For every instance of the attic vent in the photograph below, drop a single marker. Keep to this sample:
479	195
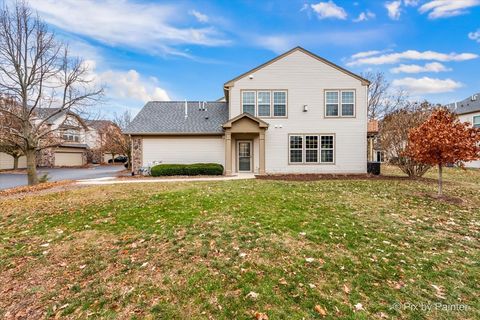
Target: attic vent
474	97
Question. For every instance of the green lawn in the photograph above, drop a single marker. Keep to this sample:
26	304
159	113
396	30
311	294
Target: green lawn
196	250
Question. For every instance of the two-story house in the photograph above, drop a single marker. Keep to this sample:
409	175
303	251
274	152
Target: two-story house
297	113
468	110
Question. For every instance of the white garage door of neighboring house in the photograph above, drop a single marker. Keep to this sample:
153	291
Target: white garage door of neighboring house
184	150
68	159
6	162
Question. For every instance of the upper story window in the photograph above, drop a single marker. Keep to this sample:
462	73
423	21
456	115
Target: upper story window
265	103
340	103
71	135
248	102
476	122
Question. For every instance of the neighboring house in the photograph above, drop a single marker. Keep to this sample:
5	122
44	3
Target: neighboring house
99	146
297	113
468	110
71	130
374	150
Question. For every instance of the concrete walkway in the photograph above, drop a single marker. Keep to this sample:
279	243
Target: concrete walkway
112	180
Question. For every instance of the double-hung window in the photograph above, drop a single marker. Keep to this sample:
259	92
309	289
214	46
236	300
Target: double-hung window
296	149
248	102
311	149
263	103
476	122
340	103
327	145
279	103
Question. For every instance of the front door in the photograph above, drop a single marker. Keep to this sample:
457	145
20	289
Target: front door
244	150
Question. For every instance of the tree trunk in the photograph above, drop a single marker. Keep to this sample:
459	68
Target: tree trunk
15	162
31	167
440	180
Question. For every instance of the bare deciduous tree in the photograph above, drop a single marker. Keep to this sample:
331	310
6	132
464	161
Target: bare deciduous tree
37	71
9	142
394	131
124	142
382	99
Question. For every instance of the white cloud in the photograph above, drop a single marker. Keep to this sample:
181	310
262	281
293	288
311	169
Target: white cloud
411	3
365	54
475	36
126	85
364	16
415	68
329	9
426	85
447	8
396	57
200	16
148	27
394	9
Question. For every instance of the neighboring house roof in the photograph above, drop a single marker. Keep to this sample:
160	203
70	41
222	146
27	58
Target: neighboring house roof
363	80
100	124
372	126
169	117
55	113
468	105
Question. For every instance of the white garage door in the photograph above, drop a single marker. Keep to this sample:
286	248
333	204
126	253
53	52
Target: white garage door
184	150
6	161
68	159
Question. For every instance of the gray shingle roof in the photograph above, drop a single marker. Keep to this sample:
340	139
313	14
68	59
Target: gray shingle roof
164	117
467	105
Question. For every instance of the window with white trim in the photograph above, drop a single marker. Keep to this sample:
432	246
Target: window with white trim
327	145
476	122
311	149
348	103
279	103
331	98
263	103
296	149
340	103
248	102
71	135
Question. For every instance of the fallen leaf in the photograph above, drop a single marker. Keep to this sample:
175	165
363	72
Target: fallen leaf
320	310
283	281
261	316
346	289
309	259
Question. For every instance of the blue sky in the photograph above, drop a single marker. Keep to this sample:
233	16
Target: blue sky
142	50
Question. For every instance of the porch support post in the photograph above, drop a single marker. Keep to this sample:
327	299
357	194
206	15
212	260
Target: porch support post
228	152
261	165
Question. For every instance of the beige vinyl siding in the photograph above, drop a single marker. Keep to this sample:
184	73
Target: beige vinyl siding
469	118
68	159
183	150
306	80
6	162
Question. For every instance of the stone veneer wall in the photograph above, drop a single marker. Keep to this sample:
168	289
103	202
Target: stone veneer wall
137	154
46	158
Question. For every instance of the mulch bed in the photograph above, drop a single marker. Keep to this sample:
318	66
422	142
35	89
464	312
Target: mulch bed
316	177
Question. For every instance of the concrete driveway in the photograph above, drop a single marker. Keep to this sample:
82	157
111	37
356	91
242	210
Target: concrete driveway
11	180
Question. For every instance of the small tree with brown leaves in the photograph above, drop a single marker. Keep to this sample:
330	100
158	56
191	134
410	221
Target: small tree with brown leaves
443	139
394	130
